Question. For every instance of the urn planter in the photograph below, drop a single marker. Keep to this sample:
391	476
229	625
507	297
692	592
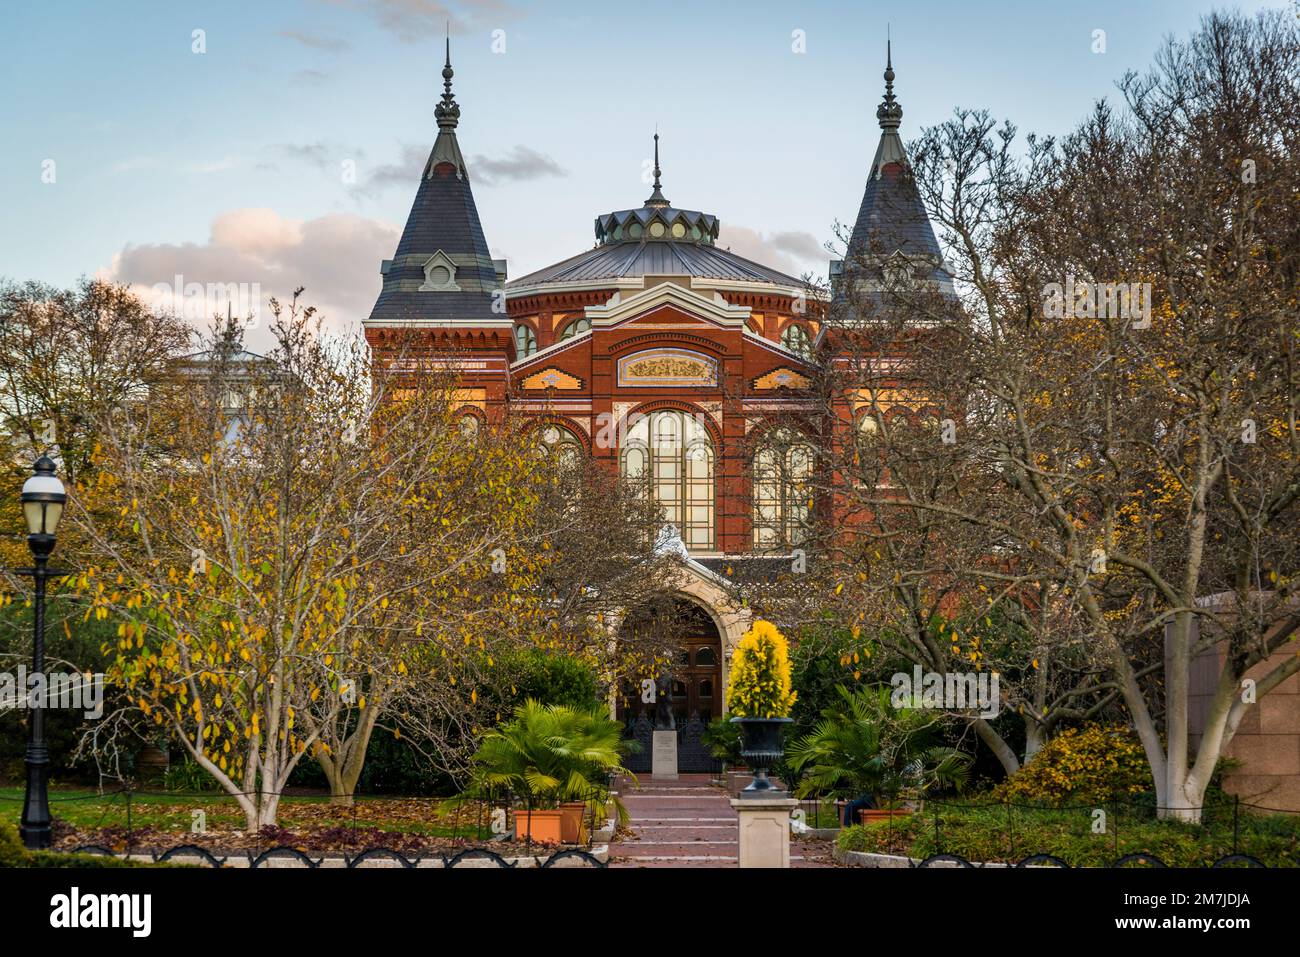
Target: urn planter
762	746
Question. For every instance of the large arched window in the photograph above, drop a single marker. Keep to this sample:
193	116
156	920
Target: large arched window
783	466
525	341
673	452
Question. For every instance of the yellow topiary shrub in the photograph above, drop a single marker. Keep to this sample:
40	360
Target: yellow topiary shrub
1092	763
760	675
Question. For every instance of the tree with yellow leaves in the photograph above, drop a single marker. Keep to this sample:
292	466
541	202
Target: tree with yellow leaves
310	528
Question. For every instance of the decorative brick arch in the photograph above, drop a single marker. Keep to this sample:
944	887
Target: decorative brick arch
674	404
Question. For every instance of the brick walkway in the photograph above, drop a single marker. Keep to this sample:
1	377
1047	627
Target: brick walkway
688	822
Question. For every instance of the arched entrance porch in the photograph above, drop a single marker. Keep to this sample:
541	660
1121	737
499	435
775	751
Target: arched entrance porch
689	690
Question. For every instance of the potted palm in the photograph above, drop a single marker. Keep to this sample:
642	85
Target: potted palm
759	698
874	755
558	758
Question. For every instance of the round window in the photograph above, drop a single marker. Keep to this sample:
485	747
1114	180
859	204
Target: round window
695	232
634	231
440	275
678	230
656	229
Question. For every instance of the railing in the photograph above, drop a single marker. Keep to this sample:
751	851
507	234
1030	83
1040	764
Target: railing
487	829
1107	833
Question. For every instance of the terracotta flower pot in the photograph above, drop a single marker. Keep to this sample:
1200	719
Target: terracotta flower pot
573	822
540	826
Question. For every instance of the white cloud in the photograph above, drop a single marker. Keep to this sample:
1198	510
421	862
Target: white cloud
793	252
335	257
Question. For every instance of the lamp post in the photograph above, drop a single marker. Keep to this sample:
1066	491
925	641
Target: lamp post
43	497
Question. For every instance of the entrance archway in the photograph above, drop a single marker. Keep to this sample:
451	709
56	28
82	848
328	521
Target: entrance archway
695	679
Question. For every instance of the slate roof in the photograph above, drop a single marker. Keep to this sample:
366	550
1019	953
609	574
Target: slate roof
892	221
632	259
443	219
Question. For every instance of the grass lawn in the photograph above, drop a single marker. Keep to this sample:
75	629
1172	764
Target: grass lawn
91	814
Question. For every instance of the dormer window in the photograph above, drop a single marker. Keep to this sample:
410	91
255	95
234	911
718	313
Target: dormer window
439	274
897	272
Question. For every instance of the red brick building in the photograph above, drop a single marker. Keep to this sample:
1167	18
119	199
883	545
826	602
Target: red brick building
658	351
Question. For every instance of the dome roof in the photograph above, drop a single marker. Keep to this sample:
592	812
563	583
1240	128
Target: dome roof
633	259
656	239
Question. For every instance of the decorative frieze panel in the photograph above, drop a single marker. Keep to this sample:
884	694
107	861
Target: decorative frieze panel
667	369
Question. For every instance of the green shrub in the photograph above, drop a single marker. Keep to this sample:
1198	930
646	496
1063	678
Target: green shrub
867	746
722	738
760	674
13	854
550	753
1091	763
1001	834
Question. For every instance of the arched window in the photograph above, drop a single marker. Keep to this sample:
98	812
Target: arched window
525	341
672	450
576	328
468	425
559	443
795	338
783	466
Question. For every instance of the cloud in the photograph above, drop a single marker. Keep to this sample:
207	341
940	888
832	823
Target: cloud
322	155
793	252
335	256
405	172
328	44
519	165
415	21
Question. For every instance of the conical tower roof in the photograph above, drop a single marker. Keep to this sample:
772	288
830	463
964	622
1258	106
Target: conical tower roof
442	271
892	218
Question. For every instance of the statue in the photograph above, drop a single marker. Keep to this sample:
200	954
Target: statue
664	720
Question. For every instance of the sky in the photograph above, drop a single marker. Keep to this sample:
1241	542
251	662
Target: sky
278	143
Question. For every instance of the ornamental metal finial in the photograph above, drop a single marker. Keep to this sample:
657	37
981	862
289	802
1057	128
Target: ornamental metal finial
448	111
889	112
657	198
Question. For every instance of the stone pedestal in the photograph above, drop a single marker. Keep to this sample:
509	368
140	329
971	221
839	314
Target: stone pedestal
765	830
663	758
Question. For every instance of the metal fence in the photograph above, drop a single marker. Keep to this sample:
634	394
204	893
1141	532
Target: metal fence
1114	830
487	830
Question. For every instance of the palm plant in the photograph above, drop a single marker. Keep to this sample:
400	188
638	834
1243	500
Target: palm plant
866	746
550	754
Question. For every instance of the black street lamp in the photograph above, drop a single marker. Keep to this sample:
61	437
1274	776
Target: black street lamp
43	497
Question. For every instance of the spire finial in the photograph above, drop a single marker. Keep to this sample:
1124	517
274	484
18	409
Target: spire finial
889	112
657	198
448	111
